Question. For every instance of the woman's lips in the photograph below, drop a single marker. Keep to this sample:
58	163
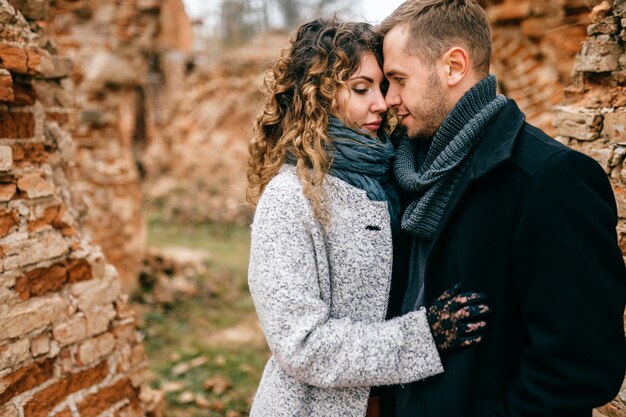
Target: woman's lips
373	126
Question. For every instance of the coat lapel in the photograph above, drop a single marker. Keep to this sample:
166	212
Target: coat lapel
495	148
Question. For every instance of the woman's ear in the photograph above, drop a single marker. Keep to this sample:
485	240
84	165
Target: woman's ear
456	64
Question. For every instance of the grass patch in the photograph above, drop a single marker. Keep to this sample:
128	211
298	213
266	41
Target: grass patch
200	327
228	244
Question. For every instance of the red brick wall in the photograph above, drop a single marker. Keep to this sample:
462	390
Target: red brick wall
68	345
115	47
534	46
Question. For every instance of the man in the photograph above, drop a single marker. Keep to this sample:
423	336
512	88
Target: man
495	204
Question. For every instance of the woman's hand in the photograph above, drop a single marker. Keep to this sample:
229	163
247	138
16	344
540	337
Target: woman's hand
458	319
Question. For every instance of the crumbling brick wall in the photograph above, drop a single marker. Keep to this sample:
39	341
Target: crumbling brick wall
119	50
68	343
206	137
534	46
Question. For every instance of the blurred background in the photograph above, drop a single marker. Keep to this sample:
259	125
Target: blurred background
123	143
200	319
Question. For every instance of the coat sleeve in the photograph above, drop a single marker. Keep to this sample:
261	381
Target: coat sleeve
309	345
570	282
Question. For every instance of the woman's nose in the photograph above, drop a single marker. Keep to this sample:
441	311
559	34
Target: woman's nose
379	105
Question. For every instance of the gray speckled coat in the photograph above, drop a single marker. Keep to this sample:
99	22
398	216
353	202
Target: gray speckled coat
321	299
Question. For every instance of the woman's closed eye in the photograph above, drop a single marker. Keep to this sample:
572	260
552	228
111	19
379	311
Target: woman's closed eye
360	90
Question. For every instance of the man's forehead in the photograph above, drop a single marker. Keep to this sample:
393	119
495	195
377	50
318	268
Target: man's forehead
394	43
394	50
396	35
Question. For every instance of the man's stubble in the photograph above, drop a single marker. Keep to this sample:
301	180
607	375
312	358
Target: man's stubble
433	110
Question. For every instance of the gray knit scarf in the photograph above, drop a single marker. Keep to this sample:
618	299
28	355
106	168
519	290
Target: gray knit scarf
432	184
366	163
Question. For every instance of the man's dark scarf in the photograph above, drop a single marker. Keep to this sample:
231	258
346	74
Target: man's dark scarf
432	182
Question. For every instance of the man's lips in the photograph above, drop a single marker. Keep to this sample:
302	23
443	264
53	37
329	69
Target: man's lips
402	117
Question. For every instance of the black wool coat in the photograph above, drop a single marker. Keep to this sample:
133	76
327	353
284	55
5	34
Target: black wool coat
532	225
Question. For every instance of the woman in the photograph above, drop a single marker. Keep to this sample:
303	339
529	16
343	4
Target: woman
321	253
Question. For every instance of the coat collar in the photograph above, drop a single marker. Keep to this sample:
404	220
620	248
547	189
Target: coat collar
495	147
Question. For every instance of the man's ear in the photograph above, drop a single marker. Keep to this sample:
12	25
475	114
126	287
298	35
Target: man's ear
456	65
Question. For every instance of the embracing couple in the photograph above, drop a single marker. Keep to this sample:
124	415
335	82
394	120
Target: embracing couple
419	249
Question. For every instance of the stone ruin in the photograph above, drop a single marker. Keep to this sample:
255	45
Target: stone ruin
127	58
534	47
86	90
207	136
76	108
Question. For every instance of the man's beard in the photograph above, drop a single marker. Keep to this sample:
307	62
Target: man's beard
436	112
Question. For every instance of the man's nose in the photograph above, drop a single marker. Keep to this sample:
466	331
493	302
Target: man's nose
392	98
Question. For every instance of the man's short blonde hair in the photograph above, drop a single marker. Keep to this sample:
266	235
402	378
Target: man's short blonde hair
437	25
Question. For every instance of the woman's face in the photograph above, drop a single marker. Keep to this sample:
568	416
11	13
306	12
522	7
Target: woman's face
362	104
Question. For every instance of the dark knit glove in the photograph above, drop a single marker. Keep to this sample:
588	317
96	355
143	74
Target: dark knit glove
458	319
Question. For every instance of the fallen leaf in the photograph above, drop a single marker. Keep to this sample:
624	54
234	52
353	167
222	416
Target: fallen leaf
199	361
185	397
172	386
217	384
244	367
201	401
184	367
217	406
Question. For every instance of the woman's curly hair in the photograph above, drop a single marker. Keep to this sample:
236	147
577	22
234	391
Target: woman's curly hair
300	93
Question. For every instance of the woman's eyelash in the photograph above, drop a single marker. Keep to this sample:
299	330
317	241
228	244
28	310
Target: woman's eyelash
360	90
